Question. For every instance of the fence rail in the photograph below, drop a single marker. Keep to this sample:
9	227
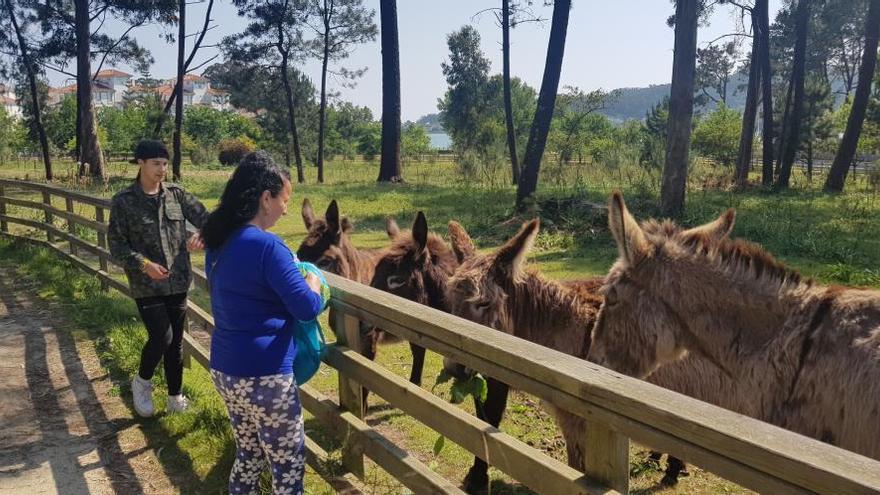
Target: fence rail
617	408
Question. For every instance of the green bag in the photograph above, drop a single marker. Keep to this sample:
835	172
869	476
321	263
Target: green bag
308	336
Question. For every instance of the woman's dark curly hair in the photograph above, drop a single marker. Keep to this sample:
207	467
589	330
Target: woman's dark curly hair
240	202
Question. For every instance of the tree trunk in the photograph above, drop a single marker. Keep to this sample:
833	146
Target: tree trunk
389	166
847	151
77	143
508	104
810	161
783	127
762	33
176	90
747	138
681	109
181	71
322	113
90	148
32	81
792	142
291	116
546	103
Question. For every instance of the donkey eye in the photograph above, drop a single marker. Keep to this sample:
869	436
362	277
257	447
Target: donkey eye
395	282
611	296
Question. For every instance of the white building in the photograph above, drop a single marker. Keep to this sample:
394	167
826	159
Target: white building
9	101
112	84
197	90
111	87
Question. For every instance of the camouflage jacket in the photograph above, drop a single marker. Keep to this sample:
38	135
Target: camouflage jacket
140	227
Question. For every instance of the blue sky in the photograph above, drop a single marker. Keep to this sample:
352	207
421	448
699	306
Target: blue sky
610	44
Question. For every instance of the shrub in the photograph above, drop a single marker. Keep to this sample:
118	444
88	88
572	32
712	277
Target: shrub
717	135
231	151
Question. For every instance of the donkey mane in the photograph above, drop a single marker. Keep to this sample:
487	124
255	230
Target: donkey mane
539	306
436	273
736	256
404	245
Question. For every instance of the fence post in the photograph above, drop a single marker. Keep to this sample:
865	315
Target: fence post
607	457
71	225
102	242
351	393
4	227
47	200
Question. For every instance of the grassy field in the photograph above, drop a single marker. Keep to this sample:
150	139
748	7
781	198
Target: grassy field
833	238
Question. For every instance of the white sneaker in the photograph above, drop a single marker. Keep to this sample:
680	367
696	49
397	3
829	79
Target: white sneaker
142	396
177	403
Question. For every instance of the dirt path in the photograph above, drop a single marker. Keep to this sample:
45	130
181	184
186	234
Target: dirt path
64	429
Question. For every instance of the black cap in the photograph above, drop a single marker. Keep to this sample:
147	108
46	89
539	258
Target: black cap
150	148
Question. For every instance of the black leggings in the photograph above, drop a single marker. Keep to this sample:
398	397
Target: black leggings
164	317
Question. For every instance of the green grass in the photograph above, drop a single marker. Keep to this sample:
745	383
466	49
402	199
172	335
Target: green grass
835	238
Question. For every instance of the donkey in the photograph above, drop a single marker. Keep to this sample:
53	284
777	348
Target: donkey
497	291
805	356
327	244
415	267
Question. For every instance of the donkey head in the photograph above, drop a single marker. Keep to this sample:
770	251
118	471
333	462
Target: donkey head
479	289
637	329
416	266
325	239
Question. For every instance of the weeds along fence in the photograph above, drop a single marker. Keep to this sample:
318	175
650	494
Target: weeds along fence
618	408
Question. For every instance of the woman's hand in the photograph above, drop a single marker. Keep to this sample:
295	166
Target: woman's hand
195	243
314	283
156	271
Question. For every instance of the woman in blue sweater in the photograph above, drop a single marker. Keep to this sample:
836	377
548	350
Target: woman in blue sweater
257	294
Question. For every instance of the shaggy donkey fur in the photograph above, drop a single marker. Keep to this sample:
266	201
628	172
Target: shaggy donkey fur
800	355
498	291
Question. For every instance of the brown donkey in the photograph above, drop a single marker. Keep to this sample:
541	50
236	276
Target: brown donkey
497	291
803	356
328	246
415	267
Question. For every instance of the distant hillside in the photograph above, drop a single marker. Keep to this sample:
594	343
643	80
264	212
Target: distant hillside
633	103
431	123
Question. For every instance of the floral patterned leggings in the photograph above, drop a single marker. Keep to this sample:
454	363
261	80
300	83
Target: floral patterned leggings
268	428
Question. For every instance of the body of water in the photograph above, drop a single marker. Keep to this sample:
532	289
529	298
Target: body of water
440	141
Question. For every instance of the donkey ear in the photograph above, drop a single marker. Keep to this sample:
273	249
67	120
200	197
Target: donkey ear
462	245
717	229
420	232
345	225
308	213
332	216
391	228
630	238
510	257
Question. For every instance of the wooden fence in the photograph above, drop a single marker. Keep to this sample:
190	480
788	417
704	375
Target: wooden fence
753	454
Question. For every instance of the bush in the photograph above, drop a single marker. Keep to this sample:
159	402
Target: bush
717	136
231	151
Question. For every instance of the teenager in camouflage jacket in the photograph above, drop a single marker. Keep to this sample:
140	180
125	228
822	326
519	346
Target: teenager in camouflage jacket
148	238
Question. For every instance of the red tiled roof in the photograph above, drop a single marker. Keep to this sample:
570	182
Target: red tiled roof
63	90
112	73
212	91
194	77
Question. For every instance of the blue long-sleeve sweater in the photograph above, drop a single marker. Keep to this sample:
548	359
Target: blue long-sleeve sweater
257	294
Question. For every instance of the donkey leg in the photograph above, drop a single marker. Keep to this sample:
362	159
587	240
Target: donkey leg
369	345
573	430
418	353
491	411
675	467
